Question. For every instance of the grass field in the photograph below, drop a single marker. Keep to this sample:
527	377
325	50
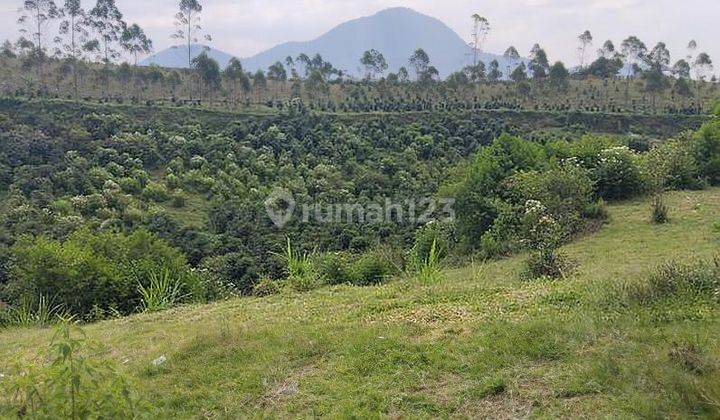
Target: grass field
478	343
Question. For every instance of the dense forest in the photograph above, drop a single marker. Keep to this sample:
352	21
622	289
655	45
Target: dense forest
195	190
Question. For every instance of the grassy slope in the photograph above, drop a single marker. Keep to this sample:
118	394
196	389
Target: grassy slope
479	343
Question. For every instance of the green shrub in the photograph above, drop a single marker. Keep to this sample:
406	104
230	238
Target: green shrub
70	385
430	270
370	269
618	174
436	237
597	210
333	268
717	110
543	235
565	190
237	271
91	273
156	191
672	165
39	312
301	274
706	146
659	210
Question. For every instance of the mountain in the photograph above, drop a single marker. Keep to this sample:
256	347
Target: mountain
395	32
177	56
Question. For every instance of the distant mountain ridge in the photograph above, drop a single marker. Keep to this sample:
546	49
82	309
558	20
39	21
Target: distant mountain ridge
395	32
177	56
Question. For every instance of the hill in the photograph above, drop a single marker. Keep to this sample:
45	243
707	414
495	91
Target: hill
479	343
177	56
395	32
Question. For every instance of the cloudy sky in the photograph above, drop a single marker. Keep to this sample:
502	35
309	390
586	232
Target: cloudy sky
245	27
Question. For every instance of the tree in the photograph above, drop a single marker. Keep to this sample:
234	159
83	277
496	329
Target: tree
35	17
374	63
7	50
259	83
403	75
277	73
187	22
234	73
494	74
703	66
135	42
74	28
512	56
604	68
659	57
481	29
519	74
608	50
681	69
475	73
559	75
633	50
105	18
420	62
208	70
586	40
539	64
458	80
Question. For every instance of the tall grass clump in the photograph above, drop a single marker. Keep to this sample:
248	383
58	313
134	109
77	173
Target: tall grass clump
301	273
675	280
32	312
429	269
162	292
432	244
71	385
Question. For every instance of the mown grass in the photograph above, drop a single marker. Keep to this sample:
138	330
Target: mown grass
479	342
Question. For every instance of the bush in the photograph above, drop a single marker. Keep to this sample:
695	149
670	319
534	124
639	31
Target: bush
695	279
436	237
565	190
237	271
333	268
659	210
672	165
156	192
370	269
543	235
706	146
93	274
618	174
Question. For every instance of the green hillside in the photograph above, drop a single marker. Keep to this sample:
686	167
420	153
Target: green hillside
611	339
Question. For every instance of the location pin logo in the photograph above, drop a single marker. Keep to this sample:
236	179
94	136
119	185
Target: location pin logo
280	206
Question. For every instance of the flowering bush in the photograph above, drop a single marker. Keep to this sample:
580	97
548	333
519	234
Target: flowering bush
543	235
618	174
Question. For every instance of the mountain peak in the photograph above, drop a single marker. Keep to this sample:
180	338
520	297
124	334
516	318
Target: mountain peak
396	32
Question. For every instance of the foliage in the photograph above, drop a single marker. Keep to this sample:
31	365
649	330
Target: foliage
707	151
618	174
71	385
543	235
659	210
301	275
90	275
162	292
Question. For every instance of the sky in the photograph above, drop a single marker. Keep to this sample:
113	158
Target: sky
246	27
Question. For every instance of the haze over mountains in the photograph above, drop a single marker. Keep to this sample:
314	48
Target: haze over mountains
395	32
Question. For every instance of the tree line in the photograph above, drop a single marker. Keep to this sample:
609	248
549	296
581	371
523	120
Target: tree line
76	39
